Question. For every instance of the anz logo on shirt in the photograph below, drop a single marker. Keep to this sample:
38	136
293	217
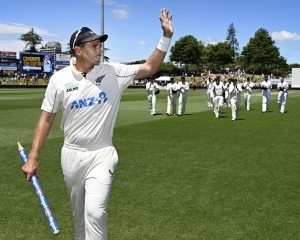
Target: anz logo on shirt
90	101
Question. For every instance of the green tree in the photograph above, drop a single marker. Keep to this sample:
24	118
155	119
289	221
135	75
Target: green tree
31	39
187	50
232	41
169	66
261	50
218	55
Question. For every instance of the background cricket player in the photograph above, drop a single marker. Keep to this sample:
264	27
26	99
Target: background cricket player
218	89
247	93
266	86
183	88
282	87
209	89
235	99
172	97
89	94
151	88
227	95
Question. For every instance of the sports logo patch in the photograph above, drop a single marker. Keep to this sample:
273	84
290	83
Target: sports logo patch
71	87
90	101
98	80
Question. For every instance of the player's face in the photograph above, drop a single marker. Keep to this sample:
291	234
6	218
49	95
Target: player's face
281	79
92	52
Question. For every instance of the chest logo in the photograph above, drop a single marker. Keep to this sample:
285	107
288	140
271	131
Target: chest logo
90	101
71	87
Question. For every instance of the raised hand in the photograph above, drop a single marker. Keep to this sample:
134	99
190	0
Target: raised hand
166	22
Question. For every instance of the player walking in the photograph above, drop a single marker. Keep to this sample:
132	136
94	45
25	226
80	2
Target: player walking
266	85
218	89
235	99
209	91
226	93
172	97
89	93
282	87
183	88
247	93
152	87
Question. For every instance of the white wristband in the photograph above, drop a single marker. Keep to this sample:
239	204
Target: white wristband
164	44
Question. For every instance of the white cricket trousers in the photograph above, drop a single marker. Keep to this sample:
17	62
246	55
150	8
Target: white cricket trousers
88	176
281	100
235	105
152	103
265	100
247	99
218	102
171	103
182	103
227	97
209	98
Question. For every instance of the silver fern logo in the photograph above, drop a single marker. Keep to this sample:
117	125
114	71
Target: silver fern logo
98	80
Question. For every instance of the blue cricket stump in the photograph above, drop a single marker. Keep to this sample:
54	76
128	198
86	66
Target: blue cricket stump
43	201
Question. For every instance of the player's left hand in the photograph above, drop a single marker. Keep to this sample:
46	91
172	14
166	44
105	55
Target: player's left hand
166	22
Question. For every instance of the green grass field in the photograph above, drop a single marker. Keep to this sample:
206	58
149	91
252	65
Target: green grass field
190	177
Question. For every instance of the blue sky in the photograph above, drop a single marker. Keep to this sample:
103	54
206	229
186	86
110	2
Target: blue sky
134	29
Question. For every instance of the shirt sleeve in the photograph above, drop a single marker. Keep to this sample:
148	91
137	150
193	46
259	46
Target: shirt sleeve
51	102
125	73
187	86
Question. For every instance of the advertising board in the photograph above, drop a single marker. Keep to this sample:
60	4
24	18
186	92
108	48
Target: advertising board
36	63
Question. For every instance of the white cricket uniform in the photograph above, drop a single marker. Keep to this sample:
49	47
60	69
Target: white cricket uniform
247	94
183	93
282	95
151	87
227	96
235	100
88	157
218	99
266	93
172	89
209	93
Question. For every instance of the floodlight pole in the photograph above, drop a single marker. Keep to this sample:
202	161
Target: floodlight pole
102	28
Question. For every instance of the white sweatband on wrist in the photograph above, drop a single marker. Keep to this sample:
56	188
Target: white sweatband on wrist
164	44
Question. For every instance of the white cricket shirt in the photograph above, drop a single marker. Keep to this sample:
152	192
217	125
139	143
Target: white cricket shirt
218	88
89	104
283	85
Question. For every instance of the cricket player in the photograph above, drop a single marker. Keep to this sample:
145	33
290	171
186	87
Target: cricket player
235	90
282	88
266	87
89	93
247	93
209	89
183	88
218	89
227	95
172	89
152	88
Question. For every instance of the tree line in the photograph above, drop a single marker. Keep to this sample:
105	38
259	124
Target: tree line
189	55
260	55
